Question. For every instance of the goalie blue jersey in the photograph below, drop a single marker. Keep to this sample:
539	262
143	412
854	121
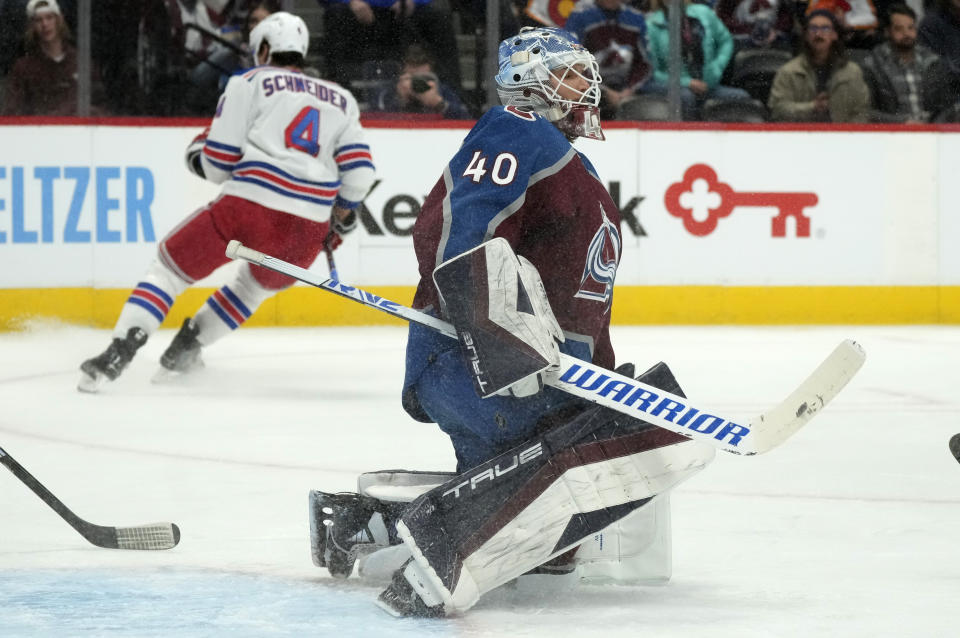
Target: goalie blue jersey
517	176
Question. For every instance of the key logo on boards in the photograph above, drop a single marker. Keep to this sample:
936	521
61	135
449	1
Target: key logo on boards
700	189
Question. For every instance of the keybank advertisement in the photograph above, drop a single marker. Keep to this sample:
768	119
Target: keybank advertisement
86	206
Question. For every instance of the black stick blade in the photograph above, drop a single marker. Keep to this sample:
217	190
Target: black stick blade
955	446
150	537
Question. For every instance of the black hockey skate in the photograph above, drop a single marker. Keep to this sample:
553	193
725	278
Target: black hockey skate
401	600
183	353
344	526
108	365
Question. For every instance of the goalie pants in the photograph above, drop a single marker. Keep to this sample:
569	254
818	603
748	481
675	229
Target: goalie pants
480	429
197	247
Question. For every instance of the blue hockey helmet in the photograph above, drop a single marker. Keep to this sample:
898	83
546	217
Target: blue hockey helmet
546	70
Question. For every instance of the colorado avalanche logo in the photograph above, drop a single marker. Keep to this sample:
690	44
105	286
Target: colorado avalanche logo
603	255
615	61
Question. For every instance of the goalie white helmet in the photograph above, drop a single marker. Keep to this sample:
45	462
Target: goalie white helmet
283	31
546	70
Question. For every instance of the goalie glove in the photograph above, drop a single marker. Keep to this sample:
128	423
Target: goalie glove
508	334
195	152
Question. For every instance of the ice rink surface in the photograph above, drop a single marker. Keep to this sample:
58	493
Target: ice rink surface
851	528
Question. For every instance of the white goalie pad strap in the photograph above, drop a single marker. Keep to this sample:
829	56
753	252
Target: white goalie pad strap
378	567
399	486
425	585
542	530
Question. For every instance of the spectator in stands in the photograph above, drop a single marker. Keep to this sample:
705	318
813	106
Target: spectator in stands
857	17
940	32
895	70
44	80
13	24
758	24
357	31
418	90
255	14
115	27
821	84
258	12
706	50
473	17
615	33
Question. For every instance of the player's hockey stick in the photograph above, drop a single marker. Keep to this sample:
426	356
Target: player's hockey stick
627	395
151	536
331	264
955	446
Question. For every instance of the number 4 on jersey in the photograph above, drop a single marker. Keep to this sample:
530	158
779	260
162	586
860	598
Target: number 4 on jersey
302	133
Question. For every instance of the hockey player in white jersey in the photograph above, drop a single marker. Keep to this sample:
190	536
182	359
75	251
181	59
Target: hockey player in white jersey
294	164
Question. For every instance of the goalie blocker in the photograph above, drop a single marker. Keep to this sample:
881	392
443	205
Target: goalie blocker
507	332
533	503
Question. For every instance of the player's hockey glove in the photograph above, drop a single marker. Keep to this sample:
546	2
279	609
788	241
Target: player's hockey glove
194	153
339	226
344	225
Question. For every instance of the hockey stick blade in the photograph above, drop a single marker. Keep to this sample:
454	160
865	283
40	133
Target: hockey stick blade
955	446
623	394
151	536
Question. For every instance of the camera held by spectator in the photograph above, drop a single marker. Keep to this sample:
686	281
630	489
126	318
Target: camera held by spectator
419	90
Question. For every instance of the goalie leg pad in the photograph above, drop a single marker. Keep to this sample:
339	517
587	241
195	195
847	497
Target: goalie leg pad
517	511
636	550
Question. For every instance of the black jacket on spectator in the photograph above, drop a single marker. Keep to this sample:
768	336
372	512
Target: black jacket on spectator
888	85
940	32
940	89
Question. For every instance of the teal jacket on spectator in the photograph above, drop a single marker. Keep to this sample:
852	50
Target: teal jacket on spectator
717	45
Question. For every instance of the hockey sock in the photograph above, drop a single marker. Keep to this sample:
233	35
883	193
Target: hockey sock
229	307
150	300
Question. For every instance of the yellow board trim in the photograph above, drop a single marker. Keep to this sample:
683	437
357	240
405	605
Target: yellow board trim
634	305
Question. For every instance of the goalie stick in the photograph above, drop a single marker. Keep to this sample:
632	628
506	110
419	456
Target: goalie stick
150	536
623	394
955	446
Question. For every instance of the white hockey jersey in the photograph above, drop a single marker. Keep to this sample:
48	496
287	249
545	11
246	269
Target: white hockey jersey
289	142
